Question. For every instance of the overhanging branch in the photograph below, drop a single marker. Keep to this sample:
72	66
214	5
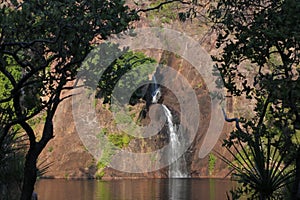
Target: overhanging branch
161	4
236	120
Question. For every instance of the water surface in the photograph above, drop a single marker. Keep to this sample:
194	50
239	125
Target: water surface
140	189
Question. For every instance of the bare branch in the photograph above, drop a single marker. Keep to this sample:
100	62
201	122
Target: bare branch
161	4
29	131
236	120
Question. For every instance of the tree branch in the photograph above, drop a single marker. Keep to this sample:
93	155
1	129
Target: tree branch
236	120
29	131
8	75
264	111
161	4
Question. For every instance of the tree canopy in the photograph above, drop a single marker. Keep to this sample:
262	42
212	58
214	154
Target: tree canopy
263	37
42	44
136	66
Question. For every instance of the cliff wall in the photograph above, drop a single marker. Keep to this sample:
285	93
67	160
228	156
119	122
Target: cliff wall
69	158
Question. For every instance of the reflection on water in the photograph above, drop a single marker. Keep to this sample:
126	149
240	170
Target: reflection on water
140	189
179	189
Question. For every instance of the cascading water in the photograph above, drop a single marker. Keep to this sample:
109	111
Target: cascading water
156	91
178	168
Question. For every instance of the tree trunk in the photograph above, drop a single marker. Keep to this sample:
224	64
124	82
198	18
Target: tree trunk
30	169
30	174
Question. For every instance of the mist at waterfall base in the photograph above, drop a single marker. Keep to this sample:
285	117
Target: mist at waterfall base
177	169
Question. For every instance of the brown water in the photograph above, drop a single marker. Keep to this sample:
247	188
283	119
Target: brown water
141	189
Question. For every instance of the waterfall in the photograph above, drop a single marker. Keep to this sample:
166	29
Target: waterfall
178	168
156	91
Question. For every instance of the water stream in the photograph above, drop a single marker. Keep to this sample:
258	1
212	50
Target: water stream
178	168
156	91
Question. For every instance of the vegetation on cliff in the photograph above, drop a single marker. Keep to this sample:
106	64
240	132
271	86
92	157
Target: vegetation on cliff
135	65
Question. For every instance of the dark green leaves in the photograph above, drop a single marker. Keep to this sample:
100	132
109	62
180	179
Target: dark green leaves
259	43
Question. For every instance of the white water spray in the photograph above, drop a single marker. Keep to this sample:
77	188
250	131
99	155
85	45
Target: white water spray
178	168
156	94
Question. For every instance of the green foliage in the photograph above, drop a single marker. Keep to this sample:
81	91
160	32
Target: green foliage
122	118
211	163
42	45
67	175
50	149
249	32
37	35
5	85
118	75
104	131
109	143
119	140
166	14
136	66
260	166
99	174
264	34
125	121
12	162
108	150
37	120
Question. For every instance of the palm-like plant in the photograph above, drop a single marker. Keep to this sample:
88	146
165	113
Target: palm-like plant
11	162
260	163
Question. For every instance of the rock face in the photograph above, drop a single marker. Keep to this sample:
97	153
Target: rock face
196	166
69	158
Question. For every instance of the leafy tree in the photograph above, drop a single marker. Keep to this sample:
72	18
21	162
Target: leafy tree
136	66
42	44
264	35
